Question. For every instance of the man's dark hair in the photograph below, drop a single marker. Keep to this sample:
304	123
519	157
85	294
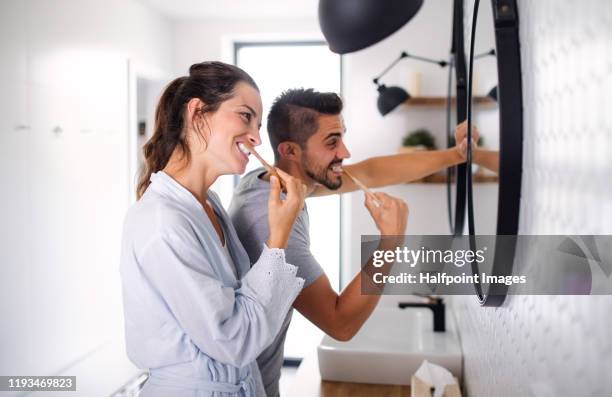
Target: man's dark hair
294	116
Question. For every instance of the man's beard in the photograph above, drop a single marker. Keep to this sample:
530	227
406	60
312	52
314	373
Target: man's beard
321	174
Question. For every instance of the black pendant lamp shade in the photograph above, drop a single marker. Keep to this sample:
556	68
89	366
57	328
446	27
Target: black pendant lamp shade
351	25
389	98
493	93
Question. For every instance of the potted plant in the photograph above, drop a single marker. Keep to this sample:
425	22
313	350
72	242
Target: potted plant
420	139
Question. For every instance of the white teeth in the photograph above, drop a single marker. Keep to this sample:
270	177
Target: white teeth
243	148
337	168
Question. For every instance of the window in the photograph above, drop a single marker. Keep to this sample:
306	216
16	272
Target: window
277	67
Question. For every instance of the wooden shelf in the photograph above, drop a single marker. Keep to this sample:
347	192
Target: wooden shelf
476	178
435	101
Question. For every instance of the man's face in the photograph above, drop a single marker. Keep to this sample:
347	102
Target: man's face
322	157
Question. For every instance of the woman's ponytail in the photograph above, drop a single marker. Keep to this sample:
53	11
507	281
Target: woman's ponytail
159	148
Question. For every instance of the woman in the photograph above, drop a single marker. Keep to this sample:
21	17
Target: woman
197	315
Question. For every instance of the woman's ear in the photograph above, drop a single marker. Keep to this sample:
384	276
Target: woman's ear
198	122
193	105
289	150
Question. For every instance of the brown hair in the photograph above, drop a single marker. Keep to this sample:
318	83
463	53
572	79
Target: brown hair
294	115
212	83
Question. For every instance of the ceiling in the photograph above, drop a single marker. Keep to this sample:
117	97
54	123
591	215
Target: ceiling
190	9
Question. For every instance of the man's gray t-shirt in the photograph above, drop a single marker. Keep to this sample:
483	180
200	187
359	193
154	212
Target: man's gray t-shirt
249	213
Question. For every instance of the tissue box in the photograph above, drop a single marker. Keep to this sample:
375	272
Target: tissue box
418	388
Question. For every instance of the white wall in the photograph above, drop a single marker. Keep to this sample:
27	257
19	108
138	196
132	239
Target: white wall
64	122
210	39
554	345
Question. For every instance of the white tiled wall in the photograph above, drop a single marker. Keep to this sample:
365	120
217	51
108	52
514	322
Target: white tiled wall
547	345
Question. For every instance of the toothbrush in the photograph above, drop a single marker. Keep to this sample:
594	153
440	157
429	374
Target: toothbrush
263	162
363	187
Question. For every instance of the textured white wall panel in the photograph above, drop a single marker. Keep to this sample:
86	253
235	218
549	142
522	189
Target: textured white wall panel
554	345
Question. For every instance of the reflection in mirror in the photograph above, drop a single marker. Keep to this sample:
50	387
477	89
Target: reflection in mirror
451	122
457	100
485	118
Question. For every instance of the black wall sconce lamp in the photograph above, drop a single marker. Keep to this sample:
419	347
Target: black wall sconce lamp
391	97
493	91
352	25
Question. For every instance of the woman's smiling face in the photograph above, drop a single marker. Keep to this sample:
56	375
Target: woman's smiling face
237	120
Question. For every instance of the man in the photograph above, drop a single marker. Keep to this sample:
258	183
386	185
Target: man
306	132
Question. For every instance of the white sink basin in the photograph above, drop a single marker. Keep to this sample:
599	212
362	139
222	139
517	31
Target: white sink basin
390	347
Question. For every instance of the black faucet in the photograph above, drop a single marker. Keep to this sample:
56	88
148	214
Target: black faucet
437	307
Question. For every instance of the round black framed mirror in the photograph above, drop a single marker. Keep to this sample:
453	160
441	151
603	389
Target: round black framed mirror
508	157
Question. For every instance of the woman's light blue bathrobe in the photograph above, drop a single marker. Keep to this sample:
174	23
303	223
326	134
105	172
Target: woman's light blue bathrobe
196	327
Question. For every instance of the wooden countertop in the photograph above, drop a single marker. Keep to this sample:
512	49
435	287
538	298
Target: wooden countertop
308	383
